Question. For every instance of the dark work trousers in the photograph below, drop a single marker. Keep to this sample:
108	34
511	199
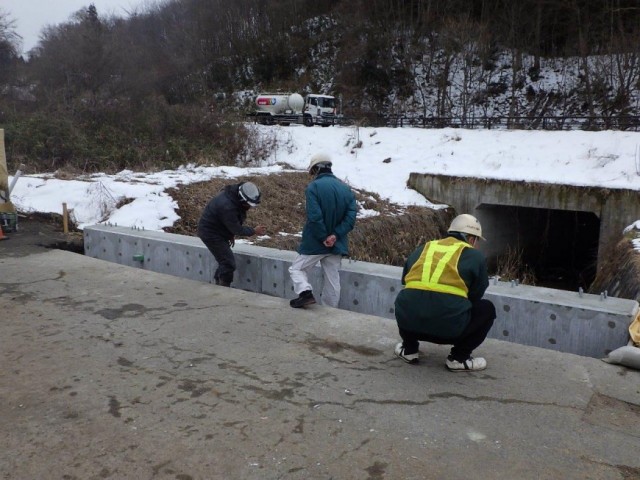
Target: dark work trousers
224	256
483	313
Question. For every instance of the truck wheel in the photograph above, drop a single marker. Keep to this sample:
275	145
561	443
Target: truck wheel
308	122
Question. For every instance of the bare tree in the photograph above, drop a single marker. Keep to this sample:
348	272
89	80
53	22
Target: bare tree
8	34
9	44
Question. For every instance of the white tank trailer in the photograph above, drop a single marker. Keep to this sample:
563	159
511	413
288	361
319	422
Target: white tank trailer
287	108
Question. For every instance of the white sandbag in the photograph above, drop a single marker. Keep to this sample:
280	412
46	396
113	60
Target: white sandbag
629	356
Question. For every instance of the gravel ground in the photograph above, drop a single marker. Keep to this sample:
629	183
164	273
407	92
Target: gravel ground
38	232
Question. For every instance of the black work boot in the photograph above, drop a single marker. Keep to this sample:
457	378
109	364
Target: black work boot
304	299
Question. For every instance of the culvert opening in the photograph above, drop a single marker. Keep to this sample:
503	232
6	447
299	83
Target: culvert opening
75	246
549	248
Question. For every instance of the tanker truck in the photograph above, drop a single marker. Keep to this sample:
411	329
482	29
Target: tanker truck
287	108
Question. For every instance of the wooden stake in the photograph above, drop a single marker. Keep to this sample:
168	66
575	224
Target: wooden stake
65	218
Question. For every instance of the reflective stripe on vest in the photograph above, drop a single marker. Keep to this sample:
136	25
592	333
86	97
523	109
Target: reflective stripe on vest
437	268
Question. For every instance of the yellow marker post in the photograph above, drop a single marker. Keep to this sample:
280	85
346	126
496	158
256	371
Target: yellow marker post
5	202
8	216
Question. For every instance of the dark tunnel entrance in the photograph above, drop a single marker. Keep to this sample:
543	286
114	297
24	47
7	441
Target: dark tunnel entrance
554	248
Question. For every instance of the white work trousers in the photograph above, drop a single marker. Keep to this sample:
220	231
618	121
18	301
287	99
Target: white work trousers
302	265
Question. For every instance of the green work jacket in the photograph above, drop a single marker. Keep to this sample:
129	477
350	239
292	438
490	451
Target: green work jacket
439	303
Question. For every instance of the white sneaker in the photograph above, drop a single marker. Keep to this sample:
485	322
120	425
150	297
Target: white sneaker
469	365
411	358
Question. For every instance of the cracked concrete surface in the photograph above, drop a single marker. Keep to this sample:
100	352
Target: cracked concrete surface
114	372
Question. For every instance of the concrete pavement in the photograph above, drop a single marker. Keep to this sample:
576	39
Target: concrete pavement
115	372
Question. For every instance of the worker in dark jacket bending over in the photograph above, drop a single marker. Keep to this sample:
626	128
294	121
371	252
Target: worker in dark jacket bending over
442	299
222	220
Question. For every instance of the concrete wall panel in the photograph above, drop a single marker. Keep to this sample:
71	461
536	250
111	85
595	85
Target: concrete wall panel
585	324
574	327
368	289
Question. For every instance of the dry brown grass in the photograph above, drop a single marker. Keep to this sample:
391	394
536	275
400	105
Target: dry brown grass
387	238
619	272
511	266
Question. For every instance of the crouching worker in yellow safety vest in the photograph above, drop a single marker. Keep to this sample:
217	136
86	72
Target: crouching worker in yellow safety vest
441	302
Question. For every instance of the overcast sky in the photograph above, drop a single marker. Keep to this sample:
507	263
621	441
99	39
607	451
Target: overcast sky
31	16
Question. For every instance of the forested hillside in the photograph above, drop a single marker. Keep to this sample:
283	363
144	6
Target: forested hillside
167	84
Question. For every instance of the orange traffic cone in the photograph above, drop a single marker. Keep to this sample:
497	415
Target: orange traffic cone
5	222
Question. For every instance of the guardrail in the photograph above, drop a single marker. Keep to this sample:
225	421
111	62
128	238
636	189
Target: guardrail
628	122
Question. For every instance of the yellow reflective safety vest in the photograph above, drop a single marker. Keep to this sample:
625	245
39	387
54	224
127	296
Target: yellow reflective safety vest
437	268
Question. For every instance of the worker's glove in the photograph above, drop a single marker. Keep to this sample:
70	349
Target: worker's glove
232	242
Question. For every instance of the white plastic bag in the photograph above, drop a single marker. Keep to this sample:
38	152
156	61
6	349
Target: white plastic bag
629	356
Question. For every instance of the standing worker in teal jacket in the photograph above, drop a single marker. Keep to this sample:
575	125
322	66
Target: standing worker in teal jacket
442	300
331	215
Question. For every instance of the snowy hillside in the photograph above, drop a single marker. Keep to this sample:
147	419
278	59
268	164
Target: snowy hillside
374	159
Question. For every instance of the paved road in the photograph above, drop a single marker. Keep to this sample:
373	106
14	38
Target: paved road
119	373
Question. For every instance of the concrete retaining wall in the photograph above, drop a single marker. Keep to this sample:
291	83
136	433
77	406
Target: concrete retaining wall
586	325
616	208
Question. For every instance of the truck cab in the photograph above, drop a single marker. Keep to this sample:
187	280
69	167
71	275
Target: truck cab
319	110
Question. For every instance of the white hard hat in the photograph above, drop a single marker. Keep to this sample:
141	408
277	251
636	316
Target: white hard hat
318	159
466	223
249	193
